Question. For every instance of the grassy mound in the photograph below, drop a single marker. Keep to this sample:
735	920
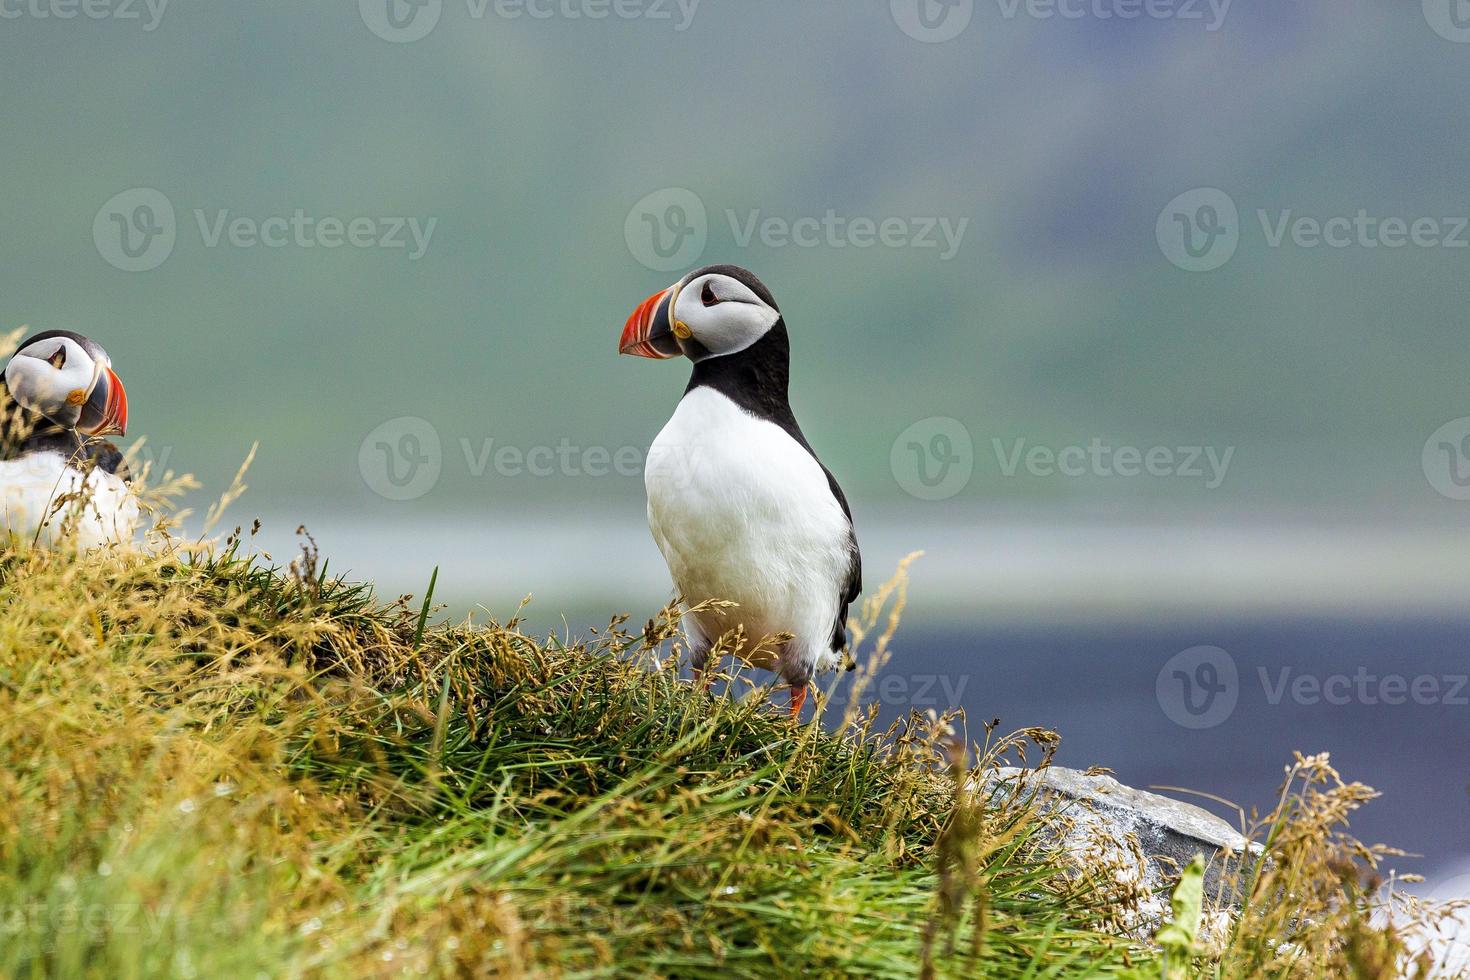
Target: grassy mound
211	769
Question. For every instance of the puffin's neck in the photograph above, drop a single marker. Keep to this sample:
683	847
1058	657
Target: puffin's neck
758	379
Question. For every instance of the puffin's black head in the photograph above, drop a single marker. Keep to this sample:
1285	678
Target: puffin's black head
717	310
68	379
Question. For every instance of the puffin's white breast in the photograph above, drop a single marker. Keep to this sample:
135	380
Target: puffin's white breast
742	512
41	491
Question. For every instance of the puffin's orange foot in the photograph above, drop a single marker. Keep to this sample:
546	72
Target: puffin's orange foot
798	698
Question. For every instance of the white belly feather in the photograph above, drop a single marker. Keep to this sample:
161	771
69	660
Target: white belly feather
742	512
41	492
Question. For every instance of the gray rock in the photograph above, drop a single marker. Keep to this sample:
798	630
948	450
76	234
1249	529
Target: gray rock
1097	817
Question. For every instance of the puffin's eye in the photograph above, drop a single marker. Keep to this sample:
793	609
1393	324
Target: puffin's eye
708	296
58	360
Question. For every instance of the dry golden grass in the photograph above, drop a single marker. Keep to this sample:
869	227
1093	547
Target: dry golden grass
209	768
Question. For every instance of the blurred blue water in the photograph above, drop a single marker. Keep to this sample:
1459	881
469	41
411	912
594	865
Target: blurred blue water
1097	687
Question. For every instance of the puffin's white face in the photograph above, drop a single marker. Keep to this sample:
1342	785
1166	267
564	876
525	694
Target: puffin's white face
721	314
68	379
711	312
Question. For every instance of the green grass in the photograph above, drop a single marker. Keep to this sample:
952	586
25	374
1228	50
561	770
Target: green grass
212	769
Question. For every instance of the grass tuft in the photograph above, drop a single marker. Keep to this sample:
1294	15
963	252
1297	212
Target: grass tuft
211	767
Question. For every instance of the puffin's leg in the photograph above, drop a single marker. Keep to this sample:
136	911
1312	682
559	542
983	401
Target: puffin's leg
798	698
699	660
797	672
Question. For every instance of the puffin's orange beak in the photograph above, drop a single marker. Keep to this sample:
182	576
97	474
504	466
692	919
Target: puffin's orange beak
106	411
648	332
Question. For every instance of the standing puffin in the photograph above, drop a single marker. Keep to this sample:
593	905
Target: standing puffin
59	398
738	502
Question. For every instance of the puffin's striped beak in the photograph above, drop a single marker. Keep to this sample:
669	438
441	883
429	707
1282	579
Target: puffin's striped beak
648	332
106	410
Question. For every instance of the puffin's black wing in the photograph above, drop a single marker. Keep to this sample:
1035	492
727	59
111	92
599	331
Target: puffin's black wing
852	586
108	458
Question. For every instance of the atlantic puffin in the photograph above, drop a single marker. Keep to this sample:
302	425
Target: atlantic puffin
738	502
59	399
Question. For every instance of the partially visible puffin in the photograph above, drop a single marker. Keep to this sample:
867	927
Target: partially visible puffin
738	502
59	399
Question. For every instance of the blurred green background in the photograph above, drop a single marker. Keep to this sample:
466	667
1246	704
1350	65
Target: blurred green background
531	142
1074	145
